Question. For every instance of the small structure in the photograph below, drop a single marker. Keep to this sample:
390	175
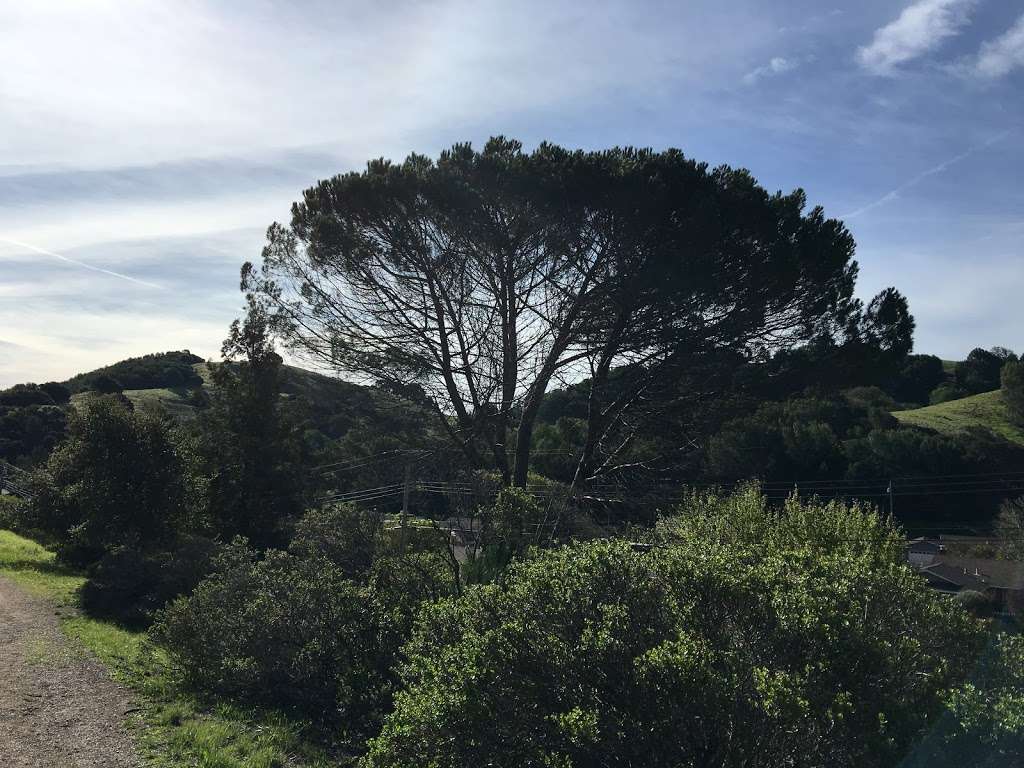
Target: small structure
922	551
1001	580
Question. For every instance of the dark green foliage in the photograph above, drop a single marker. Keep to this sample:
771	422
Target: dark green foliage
514	520
117	481
744	637
855	441
164	369
10	514
1009	529
250	452
399	584
29	433
31	421
918	377
984	727
870	399
106	385
802	438
343	534
945	392
129	585
980	371
25	394
60	394
1012	383
283	631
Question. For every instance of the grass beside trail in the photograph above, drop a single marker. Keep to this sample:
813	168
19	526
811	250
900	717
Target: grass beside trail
985	410
174	729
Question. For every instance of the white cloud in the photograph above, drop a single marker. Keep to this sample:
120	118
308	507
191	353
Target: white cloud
104	83
919	29
1004	54
777	66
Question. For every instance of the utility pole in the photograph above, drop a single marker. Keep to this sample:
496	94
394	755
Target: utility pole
890	492
406	490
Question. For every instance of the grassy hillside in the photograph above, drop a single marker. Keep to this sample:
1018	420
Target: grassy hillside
985	410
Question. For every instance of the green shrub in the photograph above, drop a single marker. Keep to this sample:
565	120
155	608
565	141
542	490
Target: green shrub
1012	381
10	519
400	584
282	631
129	586
116	481
743	636
345	535
946	392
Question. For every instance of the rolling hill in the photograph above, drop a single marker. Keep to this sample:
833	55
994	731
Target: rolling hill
335	406
985	410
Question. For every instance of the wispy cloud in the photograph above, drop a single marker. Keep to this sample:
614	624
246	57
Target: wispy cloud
919	29
1002	55
77	263
777	66
894	193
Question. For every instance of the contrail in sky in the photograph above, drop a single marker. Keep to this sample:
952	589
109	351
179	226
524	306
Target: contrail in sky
78	263
894	193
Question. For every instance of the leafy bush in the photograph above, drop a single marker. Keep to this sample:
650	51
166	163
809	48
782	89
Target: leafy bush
514	519
743	636
980	371
28	433
129	586
984	727
21	395
117	481
10	519
343	534
919	375
1012	383
282	631
400	584
946	392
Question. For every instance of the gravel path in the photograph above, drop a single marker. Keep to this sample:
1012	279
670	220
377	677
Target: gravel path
58	706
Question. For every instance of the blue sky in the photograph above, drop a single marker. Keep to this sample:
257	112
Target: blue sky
146	146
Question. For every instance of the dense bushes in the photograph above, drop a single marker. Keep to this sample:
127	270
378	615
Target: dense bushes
980	371
743	636
917	378
116	481
30	431
342	534
854	440
285	631
130	585
945	392
984	723
1012	383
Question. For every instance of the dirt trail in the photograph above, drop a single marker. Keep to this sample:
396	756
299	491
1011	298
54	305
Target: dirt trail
58	706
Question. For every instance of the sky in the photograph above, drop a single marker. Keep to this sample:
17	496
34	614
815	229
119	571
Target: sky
145	146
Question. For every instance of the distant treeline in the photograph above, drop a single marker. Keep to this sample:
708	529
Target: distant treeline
159	370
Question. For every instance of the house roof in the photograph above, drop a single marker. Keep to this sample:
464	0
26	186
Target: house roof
922	544
978	573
